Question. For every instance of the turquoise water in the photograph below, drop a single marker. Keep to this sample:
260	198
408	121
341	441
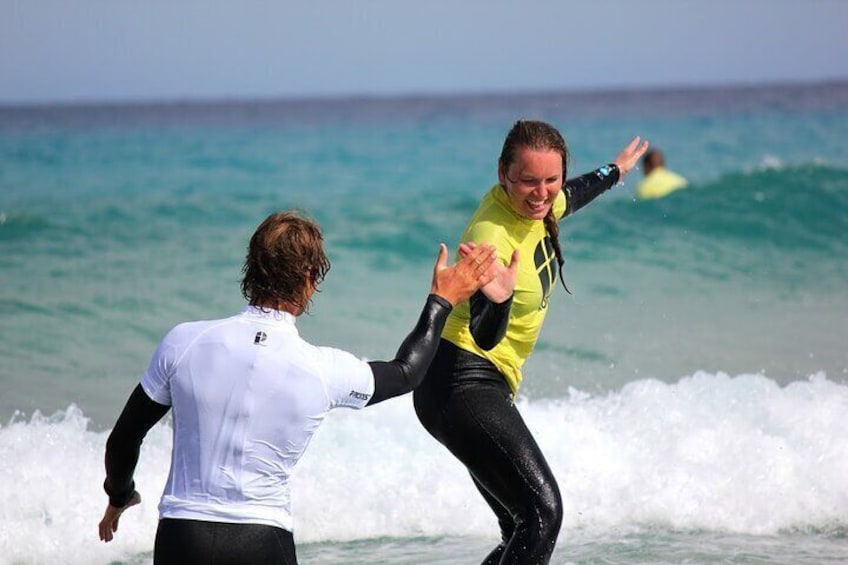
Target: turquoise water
690	395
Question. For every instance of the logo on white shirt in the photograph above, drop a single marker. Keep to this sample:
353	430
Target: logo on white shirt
359	395
260	338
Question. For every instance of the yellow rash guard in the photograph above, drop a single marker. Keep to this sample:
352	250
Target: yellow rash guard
495	222
658	183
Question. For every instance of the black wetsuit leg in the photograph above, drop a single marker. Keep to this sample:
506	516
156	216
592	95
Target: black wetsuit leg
193	542
505	522
465	403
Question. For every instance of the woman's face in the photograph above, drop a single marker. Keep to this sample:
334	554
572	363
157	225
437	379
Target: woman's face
533	181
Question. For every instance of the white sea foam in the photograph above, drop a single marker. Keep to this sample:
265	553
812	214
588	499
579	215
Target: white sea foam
771	162
735	454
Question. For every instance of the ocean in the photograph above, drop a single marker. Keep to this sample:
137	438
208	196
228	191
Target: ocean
691	395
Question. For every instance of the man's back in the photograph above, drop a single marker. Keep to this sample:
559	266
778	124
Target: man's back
247	395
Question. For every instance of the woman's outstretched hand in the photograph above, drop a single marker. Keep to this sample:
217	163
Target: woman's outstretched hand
630	155
458	282
503	276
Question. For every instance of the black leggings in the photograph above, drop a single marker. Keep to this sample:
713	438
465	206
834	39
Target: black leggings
190	542
465	403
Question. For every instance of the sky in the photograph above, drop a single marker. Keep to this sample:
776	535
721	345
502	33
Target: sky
133	50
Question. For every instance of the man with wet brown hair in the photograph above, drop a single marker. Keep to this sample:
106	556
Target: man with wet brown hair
248	393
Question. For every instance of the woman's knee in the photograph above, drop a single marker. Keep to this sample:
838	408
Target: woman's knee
543	512
549	509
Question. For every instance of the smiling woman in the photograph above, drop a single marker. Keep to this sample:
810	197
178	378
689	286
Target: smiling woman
466	400
531	167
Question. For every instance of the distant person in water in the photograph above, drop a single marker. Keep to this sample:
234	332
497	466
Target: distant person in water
247	393
658	181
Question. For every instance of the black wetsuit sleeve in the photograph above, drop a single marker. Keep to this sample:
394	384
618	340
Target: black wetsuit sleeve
488	320
583	189
407	370
122	448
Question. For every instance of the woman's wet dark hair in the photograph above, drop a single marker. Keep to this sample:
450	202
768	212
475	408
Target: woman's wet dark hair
285	258
541	136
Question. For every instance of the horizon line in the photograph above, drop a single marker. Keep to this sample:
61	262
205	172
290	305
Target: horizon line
223	99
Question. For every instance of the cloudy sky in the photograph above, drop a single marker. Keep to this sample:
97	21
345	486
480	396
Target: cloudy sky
96	50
